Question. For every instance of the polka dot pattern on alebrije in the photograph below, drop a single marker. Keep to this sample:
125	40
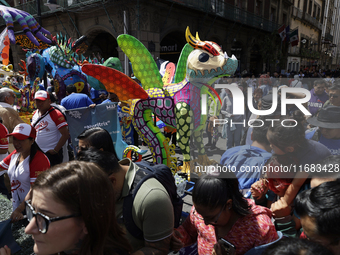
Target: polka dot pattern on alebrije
184	128
181	68
143	65
116	82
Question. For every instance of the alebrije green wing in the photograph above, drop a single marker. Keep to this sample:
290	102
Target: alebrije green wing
143	65
181	68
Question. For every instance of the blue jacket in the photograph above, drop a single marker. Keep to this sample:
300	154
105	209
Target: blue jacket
246	162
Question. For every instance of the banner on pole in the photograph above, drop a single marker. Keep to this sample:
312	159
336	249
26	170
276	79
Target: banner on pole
104	116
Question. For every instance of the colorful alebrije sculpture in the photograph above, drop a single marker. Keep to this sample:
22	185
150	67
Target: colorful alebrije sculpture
177	105
27	22
62	61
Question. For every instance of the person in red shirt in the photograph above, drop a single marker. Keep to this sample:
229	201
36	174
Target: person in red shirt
23	166
3	154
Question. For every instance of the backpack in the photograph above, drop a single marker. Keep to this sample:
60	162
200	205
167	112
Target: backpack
163	174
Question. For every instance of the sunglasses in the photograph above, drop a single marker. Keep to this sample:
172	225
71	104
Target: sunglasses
42	220
333	95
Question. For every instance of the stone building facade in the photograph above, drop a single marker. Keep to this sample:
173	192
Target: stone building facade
237	25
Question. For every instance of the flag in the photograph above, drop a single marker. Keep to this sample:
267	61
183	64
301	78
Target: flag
287	33
294	37
282	32
4	47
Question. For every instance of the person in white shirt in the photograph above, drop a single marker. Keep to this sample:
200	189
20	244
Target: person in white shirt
51	126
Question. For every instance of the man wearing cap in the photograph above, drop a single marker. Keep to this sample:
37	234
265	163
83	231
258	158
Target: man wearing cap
328	131
10	116
51	126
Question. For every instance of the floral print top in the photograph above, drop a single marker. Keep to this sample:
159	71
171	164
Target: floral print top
249	231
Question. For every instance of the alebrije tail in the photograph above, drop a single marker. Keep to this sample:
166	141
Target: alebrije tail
152	135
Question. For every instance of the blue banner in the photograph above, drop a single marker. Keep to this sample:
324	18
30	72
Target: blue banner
104	116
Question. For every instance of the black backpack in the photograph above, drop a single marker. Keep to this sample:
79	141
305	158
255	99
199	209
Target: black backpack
164	175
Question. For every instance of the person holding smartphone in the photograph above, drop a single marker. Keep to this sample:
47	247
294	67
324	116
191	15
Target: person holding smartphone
222	221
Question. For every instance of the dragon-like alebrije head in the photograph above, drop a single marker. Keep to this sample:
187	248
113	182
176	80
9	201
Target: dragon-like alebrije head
207	60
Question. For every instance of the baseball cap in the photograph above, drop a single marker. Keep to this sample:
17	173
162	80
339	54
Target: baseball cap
23	131
41	95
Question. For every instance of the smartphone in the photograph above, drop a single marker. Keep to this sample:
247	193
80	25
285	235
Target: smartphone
227	248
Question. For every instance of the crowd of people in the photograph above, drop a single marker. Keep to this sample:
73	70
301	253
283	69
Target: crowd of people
97	204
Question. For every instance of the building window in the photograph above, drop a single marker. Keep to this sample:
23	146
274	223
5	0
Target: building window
258	7
284	18
310	7
298	5
272	14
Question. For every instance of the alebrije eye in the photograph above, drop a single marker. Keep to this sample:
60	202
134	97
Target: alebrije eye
203	57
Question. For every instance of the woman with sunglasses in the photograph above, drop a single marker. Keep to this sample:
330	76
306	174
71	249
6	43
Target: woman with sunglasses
72	212
23	166
220	211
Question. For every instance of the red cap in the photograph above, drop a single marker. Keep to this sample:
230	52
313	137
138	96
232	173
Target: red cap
41	95
23	131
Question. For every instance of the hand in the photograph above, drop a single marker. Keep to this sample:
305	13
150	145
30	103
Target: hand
259	189
27	22
175	242
280	208
16	215
92	105
5	250
217	249
52	152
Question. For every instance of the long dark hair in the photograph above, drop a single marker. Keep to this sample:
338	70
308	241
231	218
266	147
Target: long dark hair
99	138
84	188
213	192
34	149
322	204
296	246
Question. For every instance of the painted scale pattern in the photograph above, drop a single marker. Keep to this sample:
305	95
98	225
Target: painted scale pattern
191	95
143	121
143	65
116	82
181	69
